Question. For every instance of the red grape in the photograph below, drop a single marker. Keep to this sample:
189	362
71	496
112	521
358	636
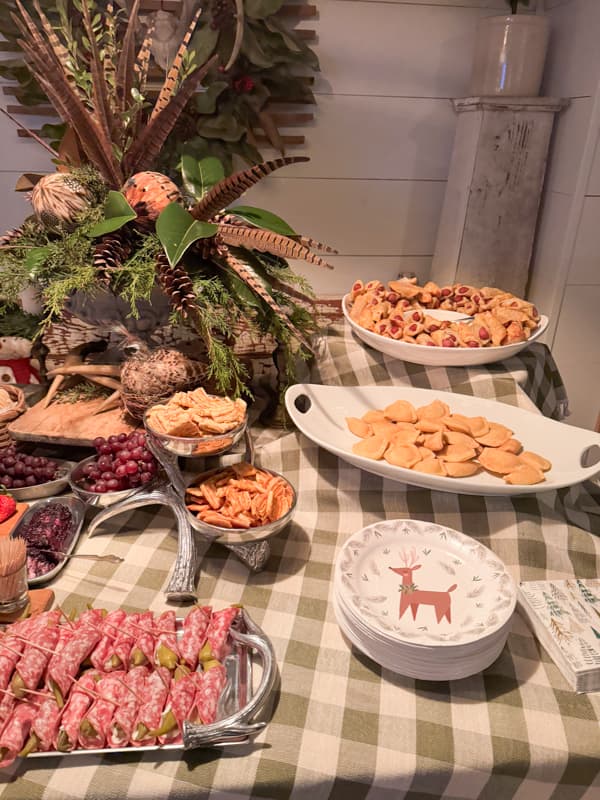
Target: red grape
99	441
105	449
112	484
121	471
100	487
122	437
146	477
107	476
131	468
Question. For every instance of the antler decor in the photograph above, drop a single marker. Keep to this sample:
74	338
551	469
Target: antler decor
113	224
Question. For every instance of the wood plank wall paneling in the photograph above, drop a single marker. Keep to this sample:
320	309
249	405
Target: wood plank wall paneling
380	145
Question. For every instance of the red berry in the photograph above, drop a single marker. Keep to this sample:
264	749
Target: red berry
8	505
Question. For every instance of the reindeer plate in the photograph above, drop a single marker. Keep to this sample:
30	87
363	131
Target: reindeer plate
320	413
414	582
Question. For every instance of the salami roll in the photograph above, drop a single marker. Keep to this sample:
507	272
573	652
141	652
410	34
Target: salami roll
78	703
209	686
95	725
142	651
123	644
16	731
45	724
217	633
121	727
149	714
64	666
7	703
109	629
36	654
195	627
166	650
177	709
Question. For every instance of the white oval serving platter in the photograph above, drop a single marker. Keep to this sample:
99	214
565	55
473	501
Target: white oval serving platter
440	356
320	413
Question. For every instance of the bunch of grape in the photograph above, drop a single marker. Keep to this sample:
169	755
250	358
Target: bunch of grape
123	462
18	470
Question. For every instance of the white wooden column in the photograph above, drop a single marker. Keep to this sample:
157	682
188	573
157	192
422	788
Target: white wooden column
492	198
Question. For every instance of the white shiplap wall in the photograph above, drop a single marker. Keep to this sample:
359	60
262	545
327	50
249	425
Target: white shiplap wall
381	143
566	268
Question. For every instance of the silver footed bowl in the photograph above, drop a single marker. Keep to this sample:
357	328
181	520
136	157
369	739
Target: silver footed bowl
236	536
96	499
194	447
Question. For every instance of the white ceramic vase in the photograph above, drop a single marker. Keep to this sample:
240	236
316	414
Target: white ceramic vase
510	51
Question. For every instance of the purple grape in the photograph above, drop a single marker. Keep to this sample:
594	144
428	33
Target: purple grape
151	466
112	439
146	477
18	483
7	481
104	462
134	481
30	480
9	461
99	441
10	471
27	471
105	450
122	437
95	475
19	469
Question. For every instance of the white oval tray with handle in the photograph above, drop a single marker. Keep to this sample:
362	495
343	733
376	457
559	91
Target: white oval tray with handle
320	413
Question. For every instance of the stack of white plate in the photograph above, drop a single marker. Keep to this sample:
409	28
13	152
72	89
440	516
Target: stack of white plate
423	600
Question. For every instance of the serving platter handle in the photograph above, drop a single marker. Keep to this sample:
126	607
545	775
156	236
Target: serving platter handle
237	728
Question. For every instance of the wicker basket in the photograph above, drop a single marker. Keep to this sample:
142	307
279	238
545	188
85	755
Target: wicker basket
11	413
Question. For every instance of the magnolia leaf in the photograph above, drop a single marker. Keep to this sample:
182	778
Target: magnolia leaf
224	126
200	176
251	48
259	9
206	101
203	43
117	212
263	219
177	230
35	257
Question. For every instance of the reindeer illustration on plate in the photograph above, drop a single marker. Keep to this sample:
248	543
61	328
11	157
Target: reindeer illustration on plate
413	597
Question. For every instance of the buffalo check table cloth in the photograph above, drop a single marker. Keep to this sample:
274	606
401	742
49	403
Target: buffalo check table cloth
341	726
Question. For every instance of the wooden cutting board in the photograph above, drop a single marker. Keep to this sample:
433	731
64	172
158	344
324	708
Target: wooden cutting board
69	423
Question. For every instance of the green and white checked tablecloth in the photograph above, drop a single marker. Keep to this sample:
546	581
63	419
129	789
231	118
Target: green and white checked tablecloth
341	726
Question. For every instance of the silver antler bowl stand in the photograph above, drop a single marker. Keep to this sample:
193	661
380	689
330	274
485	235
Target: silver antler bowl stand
168	489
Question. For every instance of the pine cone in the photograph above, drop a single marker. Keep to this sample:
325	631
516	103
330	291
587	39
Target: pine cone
10	236
110	252
176	284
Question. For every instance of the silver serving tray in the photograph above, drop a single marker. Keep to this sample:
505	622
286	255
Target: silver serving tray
238	704
77	508
49	488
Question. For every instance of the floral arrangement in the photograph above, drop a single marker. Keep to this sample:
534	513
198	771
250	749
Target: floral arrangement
107	222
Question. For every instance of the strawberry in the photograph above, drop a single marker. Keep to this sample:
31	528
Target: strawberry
8	505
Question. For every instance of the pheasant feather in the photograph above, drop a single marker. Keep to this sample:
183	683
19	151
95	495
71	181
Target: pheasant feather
149	143
99	88
247	274
125	72
142	61
268	242
60	51
70	107
230	189
169	87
